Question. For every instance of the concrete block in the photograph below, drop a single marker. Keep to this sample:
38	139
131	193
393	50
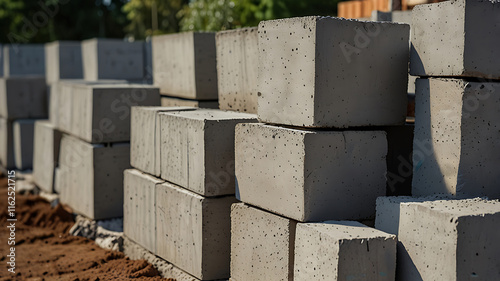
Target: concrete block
456	38
1	60
310	175
60	179
100	113
332	72
93	177
112	59
184	65
343	250
24	131
145	137
23	97
139	208
449	240
6	144
148	62
193	232
45	154
262	244
197	149
23	59
455	138
63	61
172	101
399	159
237	68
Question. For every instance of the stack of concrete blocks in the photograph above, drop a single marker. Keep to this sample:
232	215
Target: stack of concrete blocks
23	99
95	149
185	69
307	163
237	68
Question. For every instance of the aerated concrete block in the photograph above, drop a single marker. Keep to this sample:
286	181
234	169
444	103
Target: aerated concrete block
332	72
237	68
343	250
171	101
112	59
456	138
449	240
193	232
262	245
197	149
23	59
145	137
456	38
45	154
399	159
23	97
24	131
93	177
310	175
6	144
139	208
63	61
184	65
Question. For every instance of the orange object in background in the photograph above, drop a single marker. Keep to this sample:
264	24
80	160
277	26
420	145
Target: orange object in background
367	9
361	8
357	9
342	9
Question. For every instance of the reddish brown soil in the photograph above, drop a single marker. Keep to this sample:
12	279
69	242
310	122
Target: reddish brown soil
44	250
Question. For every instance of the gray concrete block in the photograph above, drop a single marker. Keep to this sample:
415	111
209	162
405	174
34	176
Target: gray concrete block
148	62
399	159
449	240
23	97
262	244
112	59
332	72
173	101
139	208
343	250
310	175
1	60
193	232
6	144
456	138
197	149
237	68
24	131
184	65
23	59
381	16
93	177
145	137
63	61
46	147
456	38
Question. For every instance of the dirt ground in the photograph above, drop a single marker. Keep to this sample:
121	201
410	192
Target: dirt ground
44	250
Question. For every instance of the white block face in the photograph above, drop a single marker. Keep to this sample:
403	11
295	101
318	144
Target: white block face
454	138
310	175
63	61
112	59
197	149
6	144
332	72
171	101
23	97
262	244
184	65
139	208
193	232
237	68
145	137
449	240
46	146
24	59
456	38
343	250
94	177
24	130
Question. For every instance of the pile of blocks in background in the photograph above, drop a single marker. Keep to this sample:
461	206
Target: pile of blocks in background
178	198
443	236
23	99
